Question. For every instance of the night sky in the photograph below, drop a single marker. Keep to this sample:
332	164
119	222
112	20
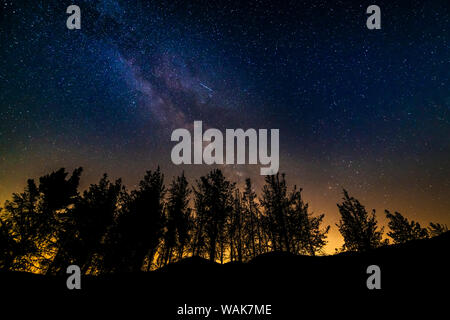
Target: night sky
368	110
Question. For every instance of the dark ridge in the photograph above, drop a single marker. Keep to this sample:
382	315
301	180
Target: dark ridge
426	253
415	269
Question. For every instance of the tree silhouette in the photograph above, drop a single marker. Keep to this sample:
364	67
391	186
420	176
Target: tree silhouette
23	213
9	249
86	224
436	229
306	235
213	198
235	227
254	236
287	221
135	236
58	196
276	205
179	220
402	230
34	218
358	228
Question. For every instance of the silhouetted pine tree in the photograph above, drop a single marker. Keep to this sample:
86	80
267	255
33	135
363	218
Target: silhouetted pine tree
35	216
436	229
8	247
359	229
59	194
253	235
139	227
235	229
86	226
306	235
276	205
402	230
213	198
21	216
179	222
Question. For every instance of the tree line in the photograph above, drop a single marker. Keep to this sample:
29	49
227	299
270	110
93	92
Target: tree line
107	228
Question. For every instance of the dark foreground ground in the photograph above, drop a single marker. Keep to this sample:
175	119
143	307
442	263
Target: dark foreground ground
292	285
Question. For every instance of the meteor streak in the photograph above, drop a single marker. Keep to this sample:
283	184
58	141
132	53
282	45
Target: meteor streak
206	87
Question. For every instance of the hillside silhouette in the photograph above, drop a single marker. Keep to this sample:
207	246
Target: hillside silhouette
412	270
413	265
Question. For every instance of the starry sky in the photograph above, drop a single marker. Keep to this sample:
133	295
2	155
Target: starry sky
365	110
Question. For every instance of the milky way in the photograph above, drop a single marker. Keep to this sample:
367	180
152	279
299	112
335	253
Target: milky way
368	110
